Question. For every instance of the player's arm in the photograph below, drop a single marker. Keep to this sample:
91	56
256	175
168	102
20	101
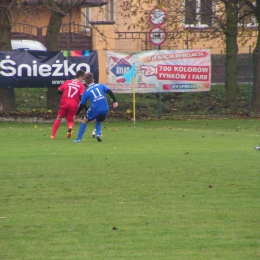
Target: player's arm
111	94
82	104
85	106
61	88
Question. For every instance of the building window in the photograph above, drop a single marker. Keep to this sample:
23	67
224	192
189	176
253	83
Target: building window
87	16
246	18
101	15
110	11
198	13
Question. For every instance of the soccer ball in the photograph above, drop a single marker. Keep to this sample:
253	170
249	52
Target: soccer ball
94	133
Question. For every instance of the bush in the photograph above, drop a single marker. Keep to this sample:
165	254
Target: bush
150	104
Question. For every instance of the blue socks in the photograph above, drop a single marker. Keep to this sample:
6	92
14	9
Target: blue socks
82	130
98	128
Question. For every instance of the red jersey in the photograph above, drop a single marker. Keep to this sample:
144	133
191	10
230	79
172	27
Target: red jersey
71	91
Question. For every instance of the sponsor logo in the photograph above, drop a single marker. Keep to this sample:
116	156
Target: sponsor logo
10	68
121	67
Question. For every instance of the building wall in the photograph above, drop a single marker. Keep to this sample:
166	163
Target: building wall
41	17
120	37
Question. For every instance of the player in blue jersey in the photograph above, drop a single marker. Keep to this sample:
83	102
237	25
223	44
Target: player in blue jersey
98	110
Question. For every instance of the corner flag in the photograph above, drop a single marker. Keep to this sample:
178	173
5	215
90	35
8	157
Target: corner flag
129	75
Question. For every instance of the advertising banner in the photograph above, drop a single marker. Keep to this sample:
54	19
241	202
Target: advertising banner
40	69
159	71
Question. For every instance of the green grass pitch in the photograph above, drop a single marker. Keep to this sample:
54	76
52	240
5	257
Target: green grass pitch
162	190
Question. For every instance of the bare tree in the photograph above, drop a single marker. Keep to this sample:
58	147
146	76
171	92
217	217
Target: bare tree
7	95
230	31
59	9
10	11
254	7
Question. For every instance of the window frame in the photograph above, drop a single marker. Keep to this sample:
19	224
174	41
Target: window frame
193	8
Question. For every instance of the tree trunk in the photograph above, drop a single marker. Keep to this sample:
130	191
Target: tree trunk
256	80
7	95
7	99
52	43
231	54
256	70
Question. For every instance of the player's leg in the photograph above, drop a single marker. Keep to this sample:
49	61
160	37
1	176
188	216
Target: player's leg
56	123
99	119
90	115
55	127
70	122
98	126
82	129
69	133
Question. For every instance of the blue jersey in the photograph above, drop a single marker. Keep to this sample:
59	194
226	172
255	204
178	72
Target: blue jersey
96	93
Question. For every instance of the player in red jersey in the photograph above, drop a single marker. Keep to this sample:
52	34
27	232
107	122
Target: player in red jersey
71	92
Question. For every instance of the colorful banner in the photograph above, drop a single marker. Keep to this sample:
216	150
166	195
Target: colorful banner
159	71
40	69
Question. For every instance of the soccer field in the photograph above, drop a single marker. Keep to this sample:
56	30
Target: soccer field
164	189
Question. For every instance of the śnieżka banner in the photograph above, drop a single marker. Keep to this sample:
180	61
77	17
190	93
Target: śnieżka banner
40	69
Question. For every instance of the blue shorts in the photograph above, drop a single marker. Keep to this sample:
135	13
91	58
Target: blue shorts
99	115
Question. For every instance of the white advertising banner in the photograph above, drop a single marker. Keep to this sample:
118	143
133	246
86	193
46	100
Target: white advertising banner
159	71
